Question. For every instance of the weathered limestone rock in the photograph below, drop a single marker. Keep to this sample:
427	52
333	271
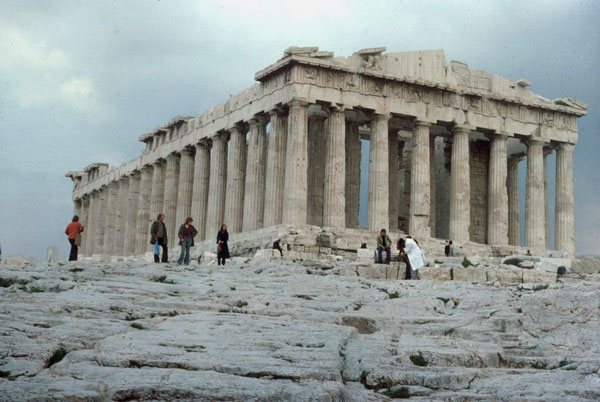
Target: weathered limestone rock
538	276
433	273
508	275
469	274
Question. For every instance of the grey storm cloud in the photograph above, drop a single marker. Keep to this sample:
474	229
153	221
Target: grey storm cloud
81	80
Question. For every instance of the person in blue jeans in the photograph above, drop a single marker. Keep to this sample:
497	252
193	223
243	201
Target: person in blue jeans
186	234
383	244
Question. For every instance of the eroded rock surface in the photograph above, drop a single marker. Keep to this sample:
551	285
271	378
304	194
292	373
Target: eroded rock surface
278	331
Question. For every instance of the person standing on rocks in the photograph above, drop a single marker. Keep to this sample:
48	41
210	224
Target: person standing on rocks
222	248
158	235
449	249
73	232
414	256
186	234
383	244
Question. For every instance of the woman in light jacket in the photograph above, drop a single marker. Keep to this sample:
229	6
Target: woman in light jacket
414	255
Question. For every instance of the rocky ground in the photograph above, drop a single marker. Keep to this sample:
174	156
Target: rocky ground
272	331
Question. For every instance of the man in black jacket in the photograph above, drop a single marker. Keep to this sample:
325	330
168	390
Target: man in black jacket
158	233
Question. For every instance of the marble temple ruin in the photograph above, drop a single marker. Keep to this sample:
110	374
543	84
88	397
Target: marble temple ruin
444	141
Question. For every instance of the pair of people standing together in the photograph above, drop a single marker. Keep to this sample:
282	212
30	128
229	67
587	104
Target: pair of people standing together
408	250
186	234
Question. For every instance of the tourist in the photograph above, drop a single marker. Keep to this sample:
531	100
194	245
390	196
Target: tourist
383	244
401	245
414	256
158	237
222	248
186	234
73	232
277	246
449	249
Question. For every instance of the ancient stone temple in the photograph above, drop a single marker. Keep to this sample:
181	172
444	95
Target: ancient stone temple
444	142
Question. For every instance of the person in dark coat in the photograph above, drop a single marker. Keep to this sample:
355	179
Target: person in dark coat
223	248
158	234
186	234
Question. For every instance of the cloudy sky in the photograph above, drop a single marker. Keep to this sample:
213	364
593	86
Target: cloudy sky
81	80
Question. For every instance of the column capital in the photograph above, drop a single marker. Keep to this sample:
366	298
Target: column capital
222	136
382	116
516	157
422	123
134	174
276	111
298	103
548	151
565	146
186	152
535	141
146	167
317	116
203	144
258	119
497	135
337	107
462	129
172	156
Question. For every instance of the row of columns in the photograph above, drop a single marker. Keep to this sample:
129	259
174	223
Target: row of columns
263	179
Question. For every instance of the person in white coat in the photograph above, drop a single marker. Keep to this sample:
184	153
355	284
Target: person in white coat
414	255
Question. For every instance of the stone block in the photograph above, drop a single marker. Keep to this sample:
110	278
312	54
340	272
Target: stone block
436	274
587	265
505	275
537	276
378	271
526	264
311	249
364	254
52	255
325	239
15	259
469	274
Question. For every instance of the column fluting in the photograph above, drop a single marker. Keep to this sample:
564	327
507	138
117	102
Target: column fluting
378	212
514	208
564	228
535	231
143	214
497	208
100	220
217	183
120	218
460	186
200	191
316	154
184	188
133	197
353	158
170	198
236	179
393	171
157	195
295	186
334	193
275	175
92	224
254	199
420	201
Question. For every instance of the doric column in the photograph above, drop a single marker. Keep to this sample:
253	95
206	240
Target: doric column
100	220
275	174
378	212
334	193
92	224
512	184
133	197
353	157
77	208
217	183
546	152
83	219
143	213
120	218
405	172
420	201
497	210
157	195
254	199
460	186
236	179
564	229
316	150
184	188
535	232
110	217
432	195
393	171
170	198
295	186
200	191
